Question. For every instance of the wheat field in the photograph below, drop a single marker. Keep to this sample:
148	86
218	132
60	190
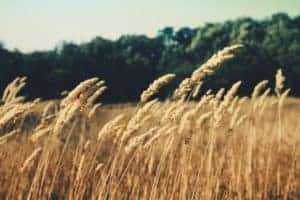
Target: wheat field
189	146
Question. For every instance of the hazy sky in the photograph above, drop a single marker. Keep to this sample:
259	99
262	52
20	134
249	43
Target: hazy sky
41	24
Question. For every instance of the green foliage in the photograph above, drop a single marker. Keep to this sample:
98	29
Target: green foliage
130	63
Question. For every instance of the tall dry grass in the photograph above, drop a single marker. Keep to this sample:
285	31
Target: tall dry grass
221	146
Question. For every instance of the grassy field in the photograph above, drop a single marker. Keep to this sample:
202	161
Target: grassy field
217	146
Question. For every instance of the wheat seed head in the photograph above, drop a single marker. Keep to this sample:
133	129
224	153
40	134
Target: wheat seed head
156	86
279	82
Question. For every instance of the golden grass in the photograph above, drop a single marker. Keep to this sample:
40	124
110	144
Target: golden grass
219	147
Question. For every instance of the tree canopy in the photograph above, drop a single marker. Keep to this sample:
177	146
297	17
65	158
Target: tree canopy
131	62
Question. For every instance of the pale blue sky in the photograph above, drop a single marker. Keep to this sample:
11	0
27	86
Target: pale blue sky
41	24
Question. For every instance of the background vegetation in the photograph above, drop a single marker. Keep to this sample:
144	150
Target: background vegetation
130	63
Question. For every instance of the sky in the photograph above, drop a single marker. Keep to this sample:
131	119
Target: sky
30	25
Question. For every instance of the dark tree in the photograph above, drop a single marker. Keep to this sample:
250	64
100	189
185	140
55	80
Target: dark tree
131	62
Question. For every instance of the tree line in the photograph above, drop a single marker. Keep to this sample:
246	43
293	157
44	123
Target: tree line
131	62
